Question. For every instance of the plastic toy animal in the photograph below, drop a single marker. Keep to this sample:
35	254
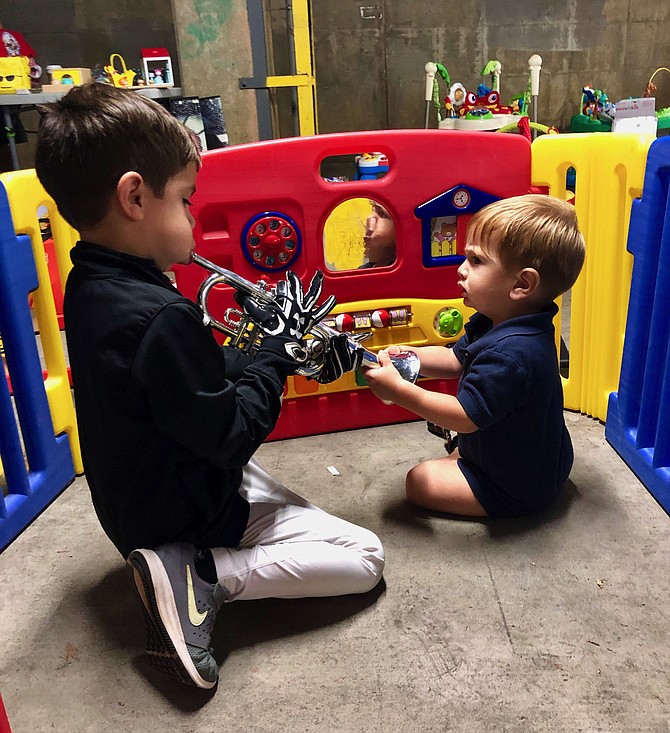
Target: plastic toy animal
486	100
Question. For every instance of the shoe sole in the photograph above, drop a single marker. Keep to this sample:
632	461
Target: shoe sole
165	643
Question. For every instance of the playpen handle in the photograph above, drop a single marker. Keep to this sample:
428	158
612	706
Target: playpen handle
430	69
535	64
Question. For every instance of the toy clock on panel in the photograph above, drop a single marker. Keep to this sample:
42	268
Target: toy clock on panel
271	241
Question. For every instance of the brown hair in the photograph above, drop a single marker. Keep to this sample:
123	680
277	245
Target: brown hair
93	135
533	231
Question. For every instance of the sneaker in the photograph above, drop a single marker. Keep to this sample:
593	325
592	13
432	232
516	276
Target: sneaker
179	610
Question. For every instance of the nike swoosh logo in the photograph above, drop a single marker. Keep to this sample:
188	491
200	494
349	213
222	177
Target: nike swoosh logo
194	616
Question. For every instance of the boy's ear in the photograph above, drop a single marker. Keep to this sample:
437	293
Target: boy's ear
527	283
130	194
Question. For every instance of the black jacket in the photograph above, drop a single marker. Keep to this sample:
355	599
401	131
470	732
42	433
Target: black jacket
167	417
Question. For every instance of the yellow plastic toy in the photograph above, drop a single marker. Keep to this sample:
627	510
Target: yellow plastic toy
14	74
123	78
73	75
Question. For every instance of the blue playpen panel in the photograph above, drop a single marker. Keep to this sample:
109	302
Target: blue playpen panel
638	417
38	468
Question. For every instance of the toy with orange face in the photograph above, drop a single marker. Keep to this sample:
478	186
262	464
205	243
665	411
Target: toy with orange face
14	74
475	105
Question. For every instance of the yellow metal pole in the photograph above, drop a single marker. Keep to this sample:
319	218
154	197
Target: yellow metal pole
302	57
304	67
288	81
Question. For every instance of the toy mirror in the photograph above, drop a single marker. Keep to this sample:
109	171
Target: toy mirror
359	234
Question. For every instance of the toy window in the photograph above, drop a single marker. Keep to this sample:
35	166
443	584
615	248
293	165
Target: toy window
443	236
354	167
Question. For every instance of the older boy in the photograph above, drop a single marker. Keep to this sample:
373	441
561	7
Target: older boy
170	421
514	451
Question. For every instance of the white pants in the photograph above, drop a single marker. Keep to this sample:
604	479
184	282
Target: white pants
293	549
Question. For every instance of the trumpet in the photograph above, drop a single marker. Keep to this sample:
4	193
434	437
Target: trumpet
246	335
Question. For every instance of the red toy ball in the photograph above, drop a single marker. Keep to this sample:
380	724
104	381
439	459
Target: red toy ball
381	318
344	322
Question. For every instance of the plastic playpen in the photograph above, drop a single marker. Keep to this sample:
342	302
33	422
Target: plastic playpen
247	192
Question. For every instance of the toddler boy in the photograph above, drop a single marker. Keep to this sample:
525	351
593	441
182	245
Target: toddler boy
514	452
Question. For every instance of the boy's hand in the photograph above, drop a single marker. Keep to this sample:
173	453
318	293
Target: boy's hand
384	380
343	353
292	314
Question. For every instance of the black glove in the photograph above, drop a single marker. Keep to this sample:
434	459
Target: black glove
342	353
292	314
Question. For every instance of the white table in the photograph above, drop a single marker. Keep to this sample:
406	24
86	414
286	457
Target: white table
13	103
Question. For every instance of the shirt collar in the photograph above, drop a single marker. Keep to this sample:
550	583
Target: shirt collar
102	261
483	334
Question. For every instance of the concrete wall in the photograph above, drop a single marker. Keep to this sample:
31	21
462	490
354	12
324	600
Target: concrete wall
214	52
613	45
86	32
369	57
207	39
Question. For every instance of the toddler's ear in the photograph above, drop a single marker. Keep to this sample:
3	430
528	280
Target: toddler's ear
130	191
527	283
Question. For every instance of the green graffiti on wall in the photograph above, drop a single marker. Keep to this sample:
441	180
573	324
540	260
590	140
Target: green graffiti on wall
210	17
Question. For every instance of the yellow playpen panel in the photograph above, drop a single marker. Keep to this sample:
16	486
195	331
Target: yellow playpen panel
609	175
26	196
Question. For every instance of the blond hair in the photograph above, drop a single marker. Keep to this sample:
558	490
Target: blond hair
533	231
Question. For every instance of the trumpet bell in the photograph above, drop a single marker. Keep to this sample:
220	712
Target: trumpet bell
408	364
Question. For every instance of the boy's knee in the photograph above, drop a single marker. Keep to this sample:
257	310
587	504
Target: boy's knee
375	550
415	482
373	562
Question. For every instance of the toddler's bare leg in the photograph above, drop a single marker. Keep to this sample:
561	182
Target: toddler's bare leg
440	485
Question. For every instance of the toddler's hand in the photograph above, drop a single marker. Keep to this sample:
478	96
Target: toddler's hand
384	380
396	349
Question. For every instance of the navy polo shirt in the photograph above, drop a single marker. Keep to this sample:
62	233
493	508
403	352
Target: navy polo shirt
520	457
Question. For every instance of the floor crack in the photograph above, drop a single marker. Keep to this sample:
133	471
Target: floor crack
497	597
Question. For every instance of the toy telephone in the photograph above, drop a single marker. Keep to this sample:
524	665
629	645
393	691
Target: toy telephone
123	78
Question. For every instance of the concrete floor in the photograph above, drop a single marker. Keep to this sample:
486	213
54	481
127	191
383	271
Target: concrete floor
559	623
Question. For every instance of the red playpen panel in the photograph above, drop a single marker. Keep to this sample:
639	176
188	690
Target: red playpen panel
244	189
